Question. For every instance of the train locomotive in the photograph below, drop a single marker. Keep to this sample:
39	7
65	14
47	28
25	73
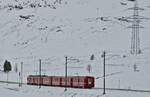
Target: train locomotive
62	81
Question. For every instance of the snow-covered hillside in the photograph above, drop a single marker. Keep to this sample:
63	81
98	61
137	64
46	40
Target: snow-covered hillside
85	26
52	29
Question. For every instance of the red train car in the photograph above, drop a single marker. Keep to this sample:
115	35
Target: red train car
35	80
47	81
61	81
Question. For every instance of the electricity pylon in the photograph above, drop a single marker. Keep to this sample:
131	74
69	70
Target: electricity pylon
136	20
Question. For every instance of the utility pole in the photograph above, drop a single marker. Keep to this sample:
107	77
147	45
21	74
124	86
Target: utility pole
40	73
104	55
66	63
135	43
21	75
136	20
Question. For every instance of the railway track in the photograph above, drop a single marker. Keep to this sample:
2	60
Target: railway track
128	90
96	88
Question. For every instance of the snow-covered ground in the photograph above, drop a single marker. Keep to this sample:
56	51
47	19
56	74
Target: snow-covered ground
30	91
52	29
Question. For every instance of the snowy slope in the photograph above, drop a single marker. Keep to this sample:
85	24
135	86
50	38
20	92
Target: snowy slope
52	29
74	24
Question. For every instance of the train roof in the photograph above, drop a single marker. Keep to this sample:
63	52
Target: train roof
58	76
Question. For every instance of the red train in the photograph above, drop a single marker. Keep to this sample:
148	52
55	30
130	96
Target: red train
60	81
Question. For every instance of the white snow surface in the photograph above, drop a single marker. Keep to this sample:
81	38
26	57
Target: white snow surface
54	29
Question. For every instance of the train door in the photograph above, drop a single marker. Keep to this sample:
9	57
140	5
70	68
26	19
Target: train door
90	82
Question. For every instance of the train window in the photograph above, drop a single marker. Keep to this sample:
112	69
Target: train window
80	80
75	80
56	79
90	81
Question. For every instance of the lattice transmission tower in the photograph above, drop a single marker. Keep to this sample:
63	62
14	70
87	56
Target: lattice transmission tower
136	20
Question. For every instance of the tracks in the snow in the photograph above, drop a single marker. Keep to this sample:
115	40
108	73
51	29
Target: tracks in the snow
96	88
